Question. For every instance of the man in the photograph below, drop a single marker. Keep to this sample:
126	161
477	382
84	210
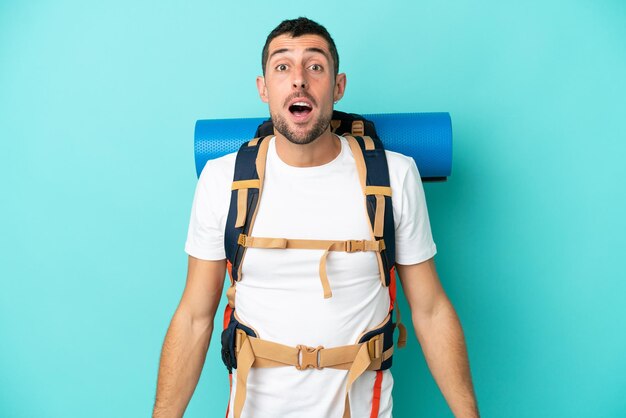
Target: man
310	191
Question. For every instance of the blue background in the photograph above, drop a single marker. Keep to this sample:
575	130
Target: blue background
97	107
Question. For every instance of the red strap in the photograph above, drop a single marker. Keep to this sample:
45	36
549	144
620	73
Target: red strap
376	397
227	315
229	268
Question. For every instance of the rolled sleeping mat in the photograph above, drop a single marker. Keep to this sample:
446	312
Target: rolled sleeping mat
427	137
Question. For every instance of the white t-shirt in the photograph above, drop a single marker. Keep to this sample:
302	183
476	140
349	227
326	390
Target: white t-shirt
280	294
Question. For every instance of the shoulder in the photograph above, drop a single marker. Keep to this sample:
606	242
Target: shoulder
219	171
399	163
403	171
225	162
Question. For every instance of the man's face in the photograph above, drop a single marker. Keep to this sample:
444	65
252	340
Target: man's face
300	86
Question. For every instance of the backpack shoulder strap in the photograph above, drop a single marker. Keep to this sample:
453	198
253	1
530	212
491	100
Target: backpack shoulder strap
246	192
371	162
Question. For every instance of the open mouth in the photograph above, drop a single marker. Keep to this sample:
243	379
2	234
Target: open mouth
300	109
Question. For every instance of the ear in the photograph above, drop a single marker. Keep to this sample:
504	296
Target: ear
340	86
260	85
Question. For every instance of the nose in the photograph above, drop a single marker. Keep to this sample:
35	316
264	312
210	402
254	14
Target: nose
299	80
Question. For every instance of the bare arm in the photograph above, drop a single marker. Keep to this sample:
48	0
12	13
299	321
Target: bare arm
440	334
188	337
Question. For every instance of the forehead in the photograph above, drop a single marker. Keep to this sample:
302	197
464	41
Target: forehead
287	43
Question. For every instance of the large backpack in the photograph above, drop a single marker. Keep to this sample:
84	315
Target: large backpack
241	346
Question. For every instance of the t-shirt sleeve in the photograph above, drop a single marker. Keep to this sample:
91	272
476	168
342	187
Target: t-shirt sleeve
205	237
414	240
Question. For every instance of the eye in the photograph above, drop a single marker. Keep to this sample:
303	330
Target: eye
281	67
315	67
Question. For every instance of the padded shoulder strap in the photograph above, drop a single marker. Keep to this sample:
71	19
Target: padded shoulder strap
371	161
246	191
377	189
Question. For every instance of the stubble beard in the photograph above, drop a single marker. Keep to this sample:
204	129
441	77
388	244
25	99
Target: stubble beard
301	138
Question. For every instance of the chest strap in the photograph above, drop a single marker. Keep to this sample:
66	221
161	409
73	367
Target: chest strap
348	246
356	358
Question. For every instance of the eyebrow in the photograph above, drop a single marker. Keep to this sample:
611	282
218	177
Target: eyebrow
312	49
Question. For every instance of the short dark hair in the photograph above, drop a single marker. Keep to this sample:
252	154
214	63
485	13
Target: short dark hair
299	27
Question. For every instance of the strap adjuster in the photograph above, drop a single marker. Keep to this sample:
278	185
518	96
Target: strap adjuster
353	246
308	357
242	240
375	347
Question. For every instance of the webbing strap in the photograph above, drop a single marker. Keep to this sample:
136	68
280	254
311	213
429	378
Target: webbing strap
402	335
369	143
361	364
379	219
359	160
242	187
349	246
376	395
245	360
324	275
246	184
255	352
261	158
378	190
242	205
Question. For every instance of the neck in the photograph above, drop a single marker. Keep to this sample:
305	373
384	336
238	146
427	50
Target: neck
320	151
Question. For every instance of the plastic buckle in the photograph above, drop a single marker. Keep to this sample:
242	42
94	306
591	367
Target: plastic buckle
353	246
308	357
242	240
375	347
